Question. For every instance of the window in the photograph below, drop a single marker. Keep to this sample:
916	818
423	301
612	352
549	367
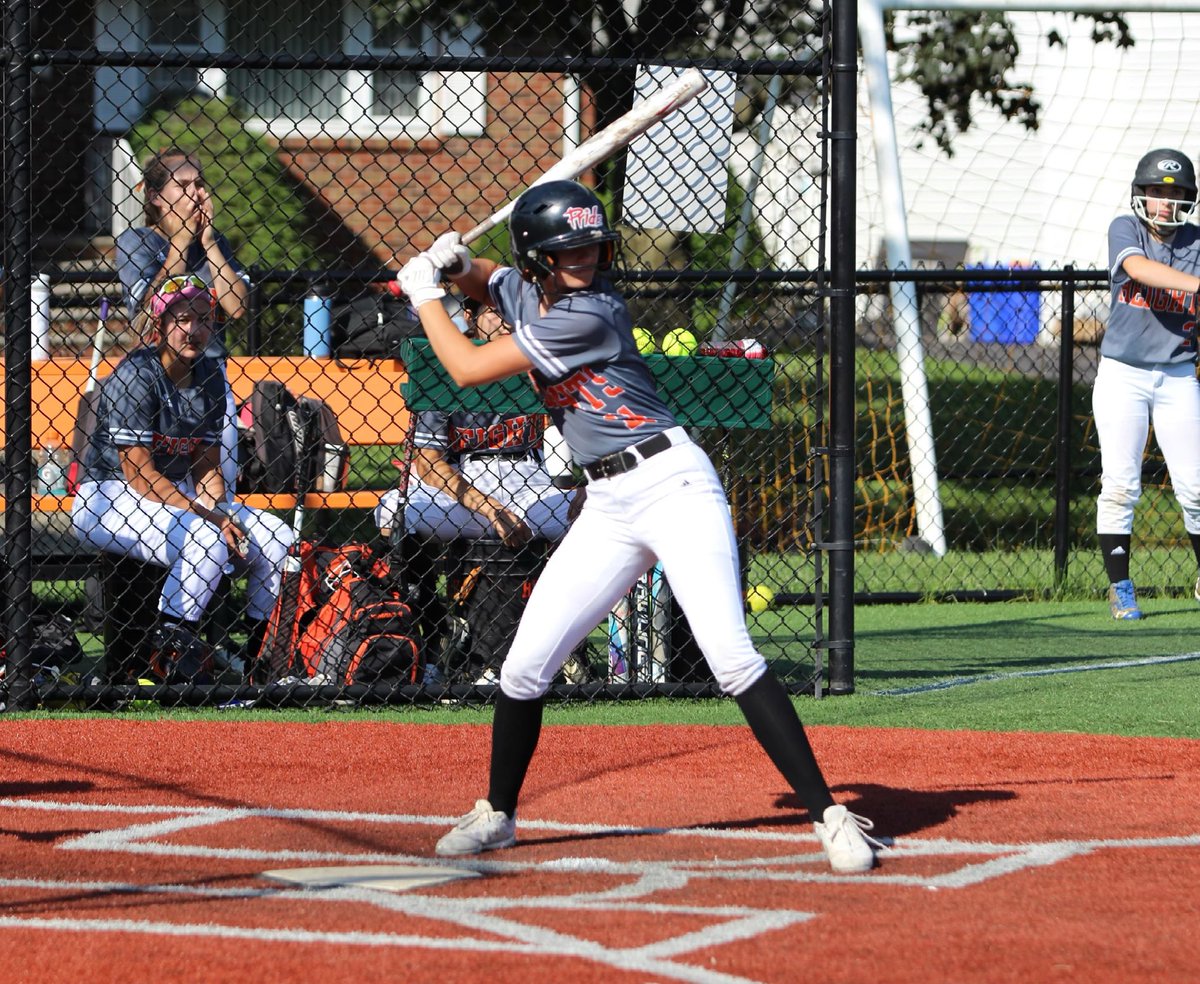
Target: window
365	103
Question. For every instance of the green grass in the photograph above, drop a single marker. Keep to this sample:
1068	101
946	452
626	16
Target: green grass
978	648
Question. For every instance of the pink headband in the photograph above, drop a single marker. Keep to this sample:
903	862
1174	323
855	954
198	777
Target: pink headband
176	289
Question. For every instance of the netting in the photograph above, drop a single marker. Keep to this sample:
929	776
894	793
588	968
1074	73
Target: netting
292	156
1016	480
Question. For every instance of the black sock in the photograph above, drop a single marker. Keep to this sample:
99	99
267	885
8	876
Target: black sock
516	727
776	725
1195	538
1115	548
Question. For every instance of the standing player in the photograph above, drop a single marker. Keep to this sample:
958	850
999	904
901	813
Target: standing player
152	486
1147	371
652	494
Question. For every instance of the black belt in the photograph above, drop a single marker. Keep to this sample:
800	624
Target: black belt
529	454
627	460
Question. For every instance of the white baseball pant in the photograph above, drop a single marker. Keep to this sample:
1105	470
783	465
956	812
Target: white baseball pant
114	518
672	508
521	484
1126	400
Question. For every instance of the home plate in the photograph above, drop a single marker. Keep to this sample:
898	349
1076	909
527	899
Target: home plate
385	877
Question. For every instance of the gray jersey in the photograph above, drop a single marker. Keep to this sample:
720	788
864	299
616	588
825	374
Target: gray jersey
1148	325
140	405
462	434
594	382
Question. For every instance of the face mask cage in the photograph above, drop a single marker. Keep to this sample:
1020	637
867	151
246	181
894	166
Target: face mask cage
1178	215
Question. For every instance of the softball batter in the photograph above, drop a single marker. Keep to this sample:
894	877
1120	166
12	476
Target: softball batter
1147	371
652	494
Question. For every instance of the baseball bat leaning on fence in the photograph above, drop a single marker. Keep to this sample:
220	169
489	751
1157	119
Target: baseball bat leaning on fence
85	411
601	146
279	650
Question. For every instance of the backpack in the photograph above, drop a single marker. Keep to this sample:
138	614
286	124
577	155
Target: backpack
53	648
373	326
288	444
363	633
487	602
352	621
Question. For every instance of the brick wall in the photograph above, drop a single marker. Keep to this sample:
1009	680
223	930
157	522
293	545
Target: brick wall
396	196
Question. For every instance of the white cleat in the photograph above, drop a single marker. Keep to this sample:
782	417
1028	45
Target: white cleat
483	829
846	845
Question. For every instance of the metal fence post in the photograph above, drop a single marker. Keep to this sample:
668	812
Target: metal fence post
842	463
1062	446
18	268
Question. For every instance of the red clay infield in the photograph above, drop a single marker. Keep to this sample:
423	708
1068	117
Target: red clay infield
132	851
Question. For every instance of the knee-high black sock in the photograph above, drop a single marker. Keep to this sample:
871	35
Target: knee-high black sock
776	725
1115	548
516	726
1195	538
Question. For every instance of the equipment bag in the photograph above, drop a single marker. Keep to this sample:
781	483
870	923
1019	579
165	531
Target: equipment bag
373	327
281	644
487	602
53	649
289	444
331	465
363	632
272	439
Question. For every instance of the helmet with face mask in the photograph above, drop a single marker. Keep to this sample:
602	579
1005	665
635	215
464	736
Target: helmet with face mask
1164	168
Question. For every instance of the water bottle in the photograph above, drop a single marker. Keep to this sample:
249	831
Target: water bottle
52	471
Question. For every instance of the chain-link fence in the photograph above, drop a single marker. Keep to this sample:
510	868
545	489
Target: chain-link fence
291	157
1008	359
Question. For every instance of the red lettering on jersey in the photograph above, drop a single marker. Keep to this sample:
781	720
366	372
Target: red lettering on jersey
174	445
1188	344
1131	294
632	420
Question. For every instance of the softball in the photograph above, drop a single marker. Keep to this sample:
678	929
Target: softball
759	598
679	341
643	340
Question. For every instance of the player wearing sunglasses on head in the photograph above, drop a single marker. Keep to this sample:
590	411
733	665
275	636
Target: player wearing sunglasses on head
152	487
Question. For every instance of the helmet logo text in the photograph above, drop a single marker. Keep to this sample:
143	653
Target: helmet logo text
579	217
1168	164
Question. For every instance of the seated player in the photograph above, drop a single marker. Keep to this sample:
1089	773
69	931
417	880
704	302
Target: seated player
152	486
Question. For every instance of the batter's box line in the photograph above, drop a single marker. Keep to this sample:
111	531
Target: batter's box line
1003	858
728	924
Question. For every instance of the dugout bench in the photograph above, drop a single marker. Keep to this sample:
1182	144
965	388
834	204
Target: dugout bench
363	393
372	399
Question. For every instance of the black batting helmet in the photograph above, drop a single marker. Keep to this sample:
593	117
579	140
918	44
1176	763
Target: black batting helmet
553	216
1164	168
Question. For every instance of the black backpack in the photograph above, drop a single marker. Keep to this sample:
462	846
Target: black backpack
373	326
288	444
272	440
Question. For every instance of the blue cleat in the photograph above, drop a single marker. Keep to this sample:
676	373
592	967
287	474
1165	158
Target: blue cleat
1122	601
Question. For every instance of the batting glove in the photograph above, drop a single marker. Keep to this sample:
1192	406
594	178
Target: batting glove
449	255
419	279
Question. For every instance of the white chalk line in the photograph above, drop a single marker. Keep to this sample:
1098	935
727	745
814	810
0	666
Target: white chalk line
494	915
950	683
